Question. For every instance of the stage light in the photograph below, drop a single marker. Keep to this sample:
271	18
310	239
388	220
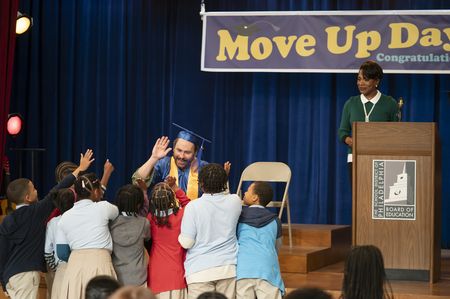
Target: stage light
14	124
23	22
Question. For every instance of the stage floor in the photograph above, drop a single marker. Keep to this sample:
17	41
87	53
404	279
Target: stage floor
330	278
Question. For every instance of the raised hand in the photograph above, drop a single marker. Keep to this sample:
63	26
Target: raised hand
227	167
161	149
172	182
141	184
108	167
86	160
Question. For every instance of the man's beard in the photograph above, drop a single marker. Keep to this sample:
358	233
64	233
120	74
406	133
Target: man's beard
184	162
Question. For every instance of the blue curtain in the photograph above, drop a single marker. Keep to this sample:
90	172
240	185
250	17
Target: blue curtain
112	75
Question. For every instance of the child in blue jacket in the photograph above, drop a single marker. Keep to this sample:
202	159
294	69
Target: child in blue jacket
258	270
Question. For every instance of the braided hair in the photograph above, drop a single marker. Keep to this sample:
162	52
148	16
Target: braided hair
86	184
162	199
129	199
213	178
63	169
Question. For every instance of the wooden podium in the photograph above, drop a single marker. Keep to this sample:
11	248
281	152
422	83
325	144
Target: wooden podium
397	196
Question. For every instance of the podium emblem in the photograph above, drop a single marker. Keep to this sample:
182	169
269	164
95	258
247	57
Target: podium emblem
394	189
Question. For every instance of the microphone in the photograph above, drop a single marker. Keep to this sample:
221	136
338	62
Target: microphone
400	104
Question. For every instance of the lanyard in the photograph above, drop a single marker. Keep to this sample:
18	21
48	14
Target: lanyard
365	112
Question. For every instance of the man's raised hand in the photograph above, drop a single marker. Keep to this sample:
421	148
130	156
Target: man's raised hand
161	149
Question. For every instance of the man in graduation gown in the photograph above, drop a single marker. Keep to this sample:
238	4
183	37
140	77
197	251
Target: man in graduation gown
183	164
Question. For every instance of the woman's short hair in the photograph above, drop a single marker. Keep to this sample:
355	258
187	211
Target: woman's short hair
371	70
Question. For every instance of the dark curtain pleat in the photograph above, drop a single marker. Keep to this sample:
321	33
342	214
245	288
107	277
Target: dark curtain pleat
113	74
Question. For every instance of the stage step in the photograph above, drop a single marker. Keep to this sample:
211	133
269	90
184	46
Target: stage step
314	246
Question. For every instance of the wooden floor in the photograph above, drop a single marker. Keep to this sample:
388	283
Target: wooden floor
330	278
316	260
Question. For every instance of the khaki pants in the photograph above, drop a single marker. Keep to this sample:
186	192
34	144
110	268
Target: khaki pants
58	279
174	294
224	286
83	265
24	285
251	288
49	277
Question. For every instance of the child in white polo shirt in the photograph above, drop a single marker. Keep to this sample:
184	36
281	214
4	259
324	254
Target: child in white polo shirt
208	232
85	227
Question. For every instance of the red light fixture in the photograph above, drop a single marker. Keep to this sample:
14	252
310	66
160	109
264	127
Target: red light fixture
14	124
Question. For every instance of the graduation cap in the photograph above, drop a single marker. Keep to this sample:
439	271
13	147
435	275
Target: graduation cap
190	136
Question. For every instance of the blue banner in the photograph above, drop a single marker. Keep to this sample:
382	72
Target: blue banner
326	41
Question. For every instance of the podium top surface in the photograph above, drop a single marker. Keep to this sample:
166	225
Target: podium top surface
394	138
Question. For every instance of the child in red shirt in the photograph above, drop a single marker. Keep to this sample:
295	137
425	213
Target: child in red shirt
166	269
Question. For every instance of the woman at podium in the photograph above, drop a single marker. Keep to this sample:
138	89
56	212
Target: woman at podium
370	105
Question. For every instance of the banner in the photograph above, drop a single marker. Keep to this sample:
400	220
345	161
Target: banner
326	41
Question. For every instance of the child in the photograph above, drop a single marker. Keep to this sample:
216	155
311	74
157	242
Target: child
165	269
308	293
208	231
365	275
65	201
101	287
258	271
64	167
85	227
128	232
212	295
60	171
132	292
22	234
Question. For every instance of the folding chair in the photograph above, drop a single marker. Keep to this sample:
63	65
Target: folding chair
270	172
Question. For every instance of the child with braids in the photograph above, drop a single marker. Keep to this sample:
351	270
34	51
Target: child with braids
86	229
129	231
208	231
165	269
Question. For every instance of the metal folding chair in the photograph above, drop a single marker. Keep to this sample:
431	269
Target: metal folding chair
270	172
